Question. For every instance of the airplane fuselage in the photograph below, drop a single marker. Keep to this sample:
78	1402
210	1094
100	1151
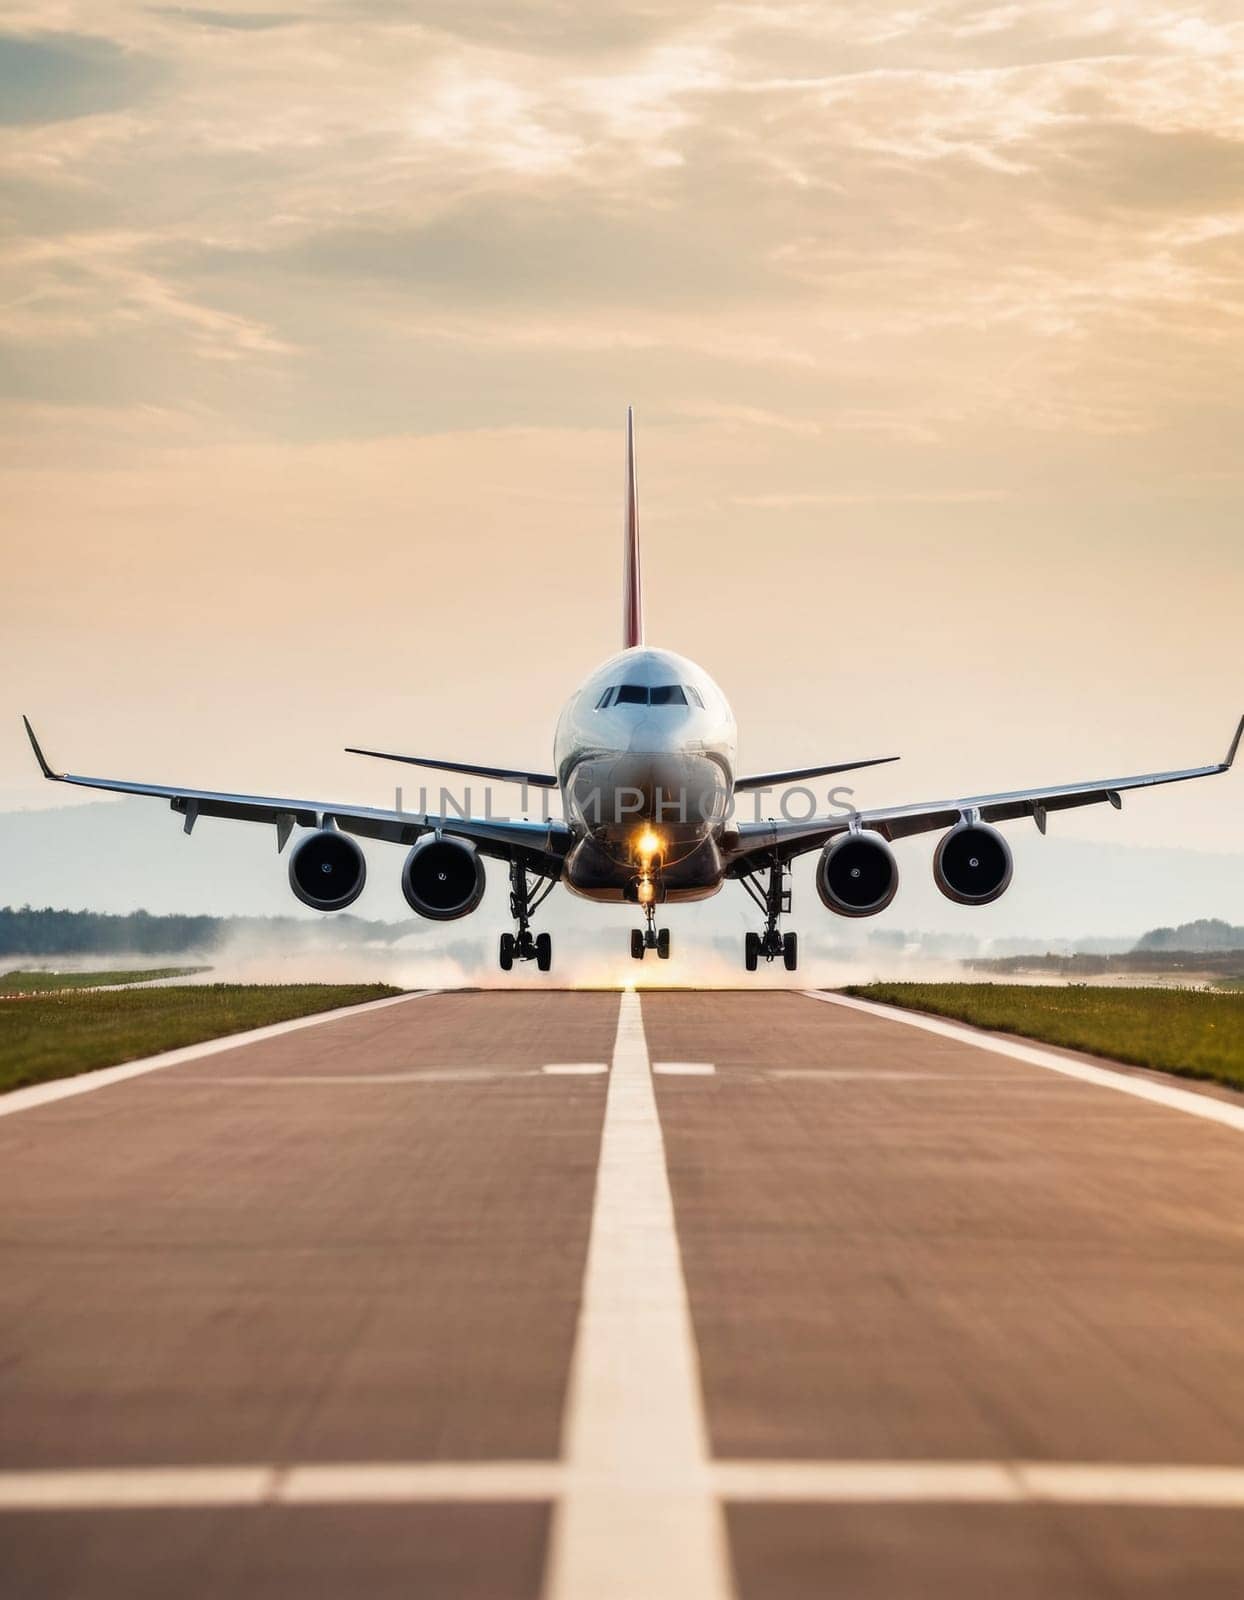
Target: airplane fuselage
645	758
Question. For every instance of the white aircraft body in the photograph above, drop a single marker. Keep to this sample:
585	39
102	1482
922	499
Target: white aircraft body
644	759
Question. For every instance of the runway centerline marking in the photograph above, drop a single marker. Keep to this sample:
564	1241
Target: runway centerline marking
685	1069
42	1094
574	1069
638	1516
1162	1094
1165	1485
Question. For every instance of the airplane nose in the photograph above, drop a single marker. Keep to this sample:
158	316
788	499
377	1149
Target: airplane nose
660	735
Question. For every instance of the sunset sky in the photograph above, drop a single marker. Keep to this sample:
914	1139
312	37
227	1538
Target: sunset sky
320	322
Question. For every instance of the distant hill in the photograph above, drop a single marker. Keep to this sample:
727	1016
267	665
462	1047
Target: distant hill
1206	934
28	931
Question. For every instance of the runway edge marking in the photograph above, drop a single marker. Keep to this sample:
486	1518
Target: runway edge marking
639	1514
1162	1094
42	1094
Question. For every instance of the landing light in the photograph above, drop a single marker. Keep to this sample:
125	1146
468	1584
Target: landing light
648	844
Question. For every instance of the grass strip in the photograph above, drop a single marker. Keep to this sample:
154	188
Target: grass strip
49	1036
32	981
1192	1032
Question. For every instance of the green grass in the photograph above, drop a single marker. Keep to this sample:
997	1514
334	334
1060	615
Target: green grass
1193	1032
58	1035
21	981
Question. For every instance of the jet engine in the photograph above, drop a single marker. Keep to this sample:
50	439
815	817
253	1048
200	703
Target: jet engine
857	875
443	878
972	864
327	870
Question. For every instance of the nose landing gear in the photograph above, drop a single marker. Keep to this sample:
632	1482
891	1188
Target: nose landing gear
650	937
524	898
647	891
774	901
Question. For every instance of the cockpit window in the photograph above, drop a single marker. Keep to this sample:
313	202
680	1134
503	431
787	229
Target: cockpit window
638	694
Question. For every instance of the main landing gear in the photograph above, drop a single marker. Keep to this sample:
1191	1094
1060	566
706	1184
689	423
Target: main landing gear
774	900
525	896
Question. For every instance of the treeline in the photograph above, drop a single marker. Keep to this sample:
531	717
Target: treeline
31	931
1216	963
1208	933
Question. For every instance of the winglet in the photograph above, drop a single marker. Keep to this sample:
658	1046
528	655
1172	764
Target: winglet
1235	745
632	588
57	776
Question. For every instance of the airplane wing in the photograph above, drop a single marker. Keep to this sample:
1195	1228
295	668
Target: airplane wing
758	841
773	780
535	780
542	845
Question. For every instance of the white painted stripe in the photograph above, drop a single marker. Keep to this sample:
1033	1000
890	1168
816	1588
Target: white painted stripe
684	1069
639	1517
124	1488
395	1482
303	1079
983	1482
1144	1484
1156	1484
574	1069
419	1075
1015	1080
847	1482
1224	1112
42	1094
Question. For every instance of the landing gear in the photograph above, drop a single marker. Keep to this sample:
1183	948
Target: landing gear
650	937
525	896
774	900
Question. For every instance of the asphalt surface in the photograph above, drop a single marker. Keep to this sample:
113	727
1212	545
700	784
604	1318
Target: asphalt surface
738	1287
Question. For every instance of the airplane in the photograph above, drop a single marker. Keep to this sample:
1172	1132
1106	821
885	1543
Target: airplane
644	757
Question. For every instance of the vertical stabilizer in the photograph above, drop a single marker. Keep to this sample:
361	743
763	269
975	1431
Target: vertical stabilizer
632	586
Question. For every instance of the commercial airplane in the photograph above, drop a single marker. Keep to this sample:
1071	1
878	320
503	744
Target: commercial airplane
644	757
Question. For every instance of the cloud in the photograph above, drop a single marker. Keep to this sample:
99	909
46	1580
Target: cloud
1096	165
532	251
922	222
52	77
233	21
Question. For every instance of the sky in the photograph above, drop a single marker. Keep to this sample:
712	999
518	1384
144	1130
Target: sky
320	322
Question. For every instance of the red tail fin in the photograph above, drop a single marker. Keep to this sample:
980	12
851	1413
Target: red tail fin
632	586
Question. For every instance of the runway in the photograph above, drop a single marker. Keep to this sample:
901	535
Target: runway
527	1296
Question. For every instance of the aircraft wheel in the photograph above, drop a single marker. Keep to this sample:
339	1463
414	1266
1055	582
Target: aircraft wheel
507	951
751	951
663	944
790	951
637	944
544	951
